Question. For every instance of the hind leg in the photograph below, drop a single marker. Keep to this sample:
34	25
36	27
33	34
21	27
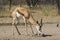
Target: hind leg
15	24
14	21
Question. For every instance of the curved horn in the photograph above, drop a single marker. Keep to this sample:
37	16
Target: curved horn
41	24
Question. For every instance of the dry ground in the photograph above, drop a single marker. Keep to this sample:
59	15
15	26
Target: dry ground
49	29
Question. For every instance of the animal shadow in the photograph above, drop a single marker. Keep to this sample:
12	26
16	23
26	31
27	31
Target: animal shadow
46	35
42	35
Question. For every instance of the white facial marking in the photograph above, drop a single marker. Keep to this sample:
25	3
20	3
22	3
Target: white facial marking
37	27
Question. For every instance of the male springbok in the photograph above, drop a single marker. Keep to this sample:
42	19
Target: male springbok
26	15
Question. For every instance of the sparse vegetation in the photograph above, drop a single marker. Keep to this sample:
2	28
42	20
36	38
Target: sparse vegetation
43	10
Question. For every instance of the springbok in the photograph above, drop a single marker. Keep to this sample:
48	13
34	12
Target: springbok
26	15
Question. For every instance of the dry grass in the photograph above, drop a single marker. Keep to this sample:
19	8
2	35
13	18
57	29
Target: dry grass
42	11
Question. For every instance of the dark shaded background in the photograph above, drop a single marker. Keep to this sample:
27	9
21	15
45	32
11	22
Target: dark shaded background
31	3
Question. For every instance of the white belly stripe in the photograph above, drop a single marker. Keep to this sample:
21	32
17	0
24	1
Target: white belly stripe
17	14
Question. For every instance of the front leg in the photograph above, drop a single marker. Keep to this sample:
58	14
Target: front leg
31	28
26	26
24	19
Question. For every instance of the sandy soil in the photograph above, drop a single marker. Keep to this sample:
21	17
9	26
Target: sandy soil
50	30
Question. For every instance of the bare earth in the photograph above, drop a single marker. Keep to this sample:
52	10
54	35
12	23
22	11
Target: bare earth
50	30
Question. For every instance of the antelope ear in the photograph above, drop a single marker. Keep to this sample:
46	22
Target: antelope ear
38	23
41	24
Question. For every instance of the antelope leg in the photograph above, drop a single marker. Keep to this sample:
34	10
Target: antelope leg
17	29
31	28
26	25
